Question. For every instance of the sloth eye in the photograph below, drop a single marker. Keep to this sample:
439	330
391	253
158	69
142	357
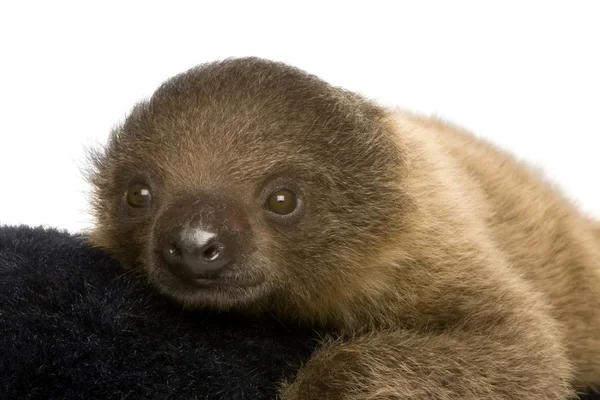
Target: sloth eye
282	202
138	195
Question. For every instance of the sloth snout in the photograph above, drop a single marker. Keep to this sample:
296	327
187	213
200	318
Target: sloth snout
196	253
201	236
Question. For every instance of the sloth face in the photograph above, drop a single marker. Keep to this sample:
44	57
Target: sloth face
245	181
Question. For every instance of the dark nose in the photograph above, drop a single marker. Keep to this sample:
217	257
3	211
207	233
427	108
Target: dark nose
196	254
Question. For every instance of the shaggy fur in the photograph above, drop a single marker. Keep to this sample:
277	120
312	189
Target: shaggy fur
448	269
74	326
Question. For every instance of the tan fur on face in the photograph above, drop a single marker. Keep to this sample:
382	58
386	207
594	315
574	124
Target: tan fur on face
450	269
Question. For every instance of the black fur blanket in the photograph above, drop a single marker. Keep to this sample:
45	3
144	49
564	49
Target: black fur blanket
74	326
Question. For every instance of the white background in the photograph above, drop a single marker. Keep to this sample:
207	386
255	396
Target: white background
524	74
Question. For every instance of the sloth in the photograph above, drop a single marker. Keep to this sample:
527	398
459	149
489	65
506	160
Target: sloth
446	267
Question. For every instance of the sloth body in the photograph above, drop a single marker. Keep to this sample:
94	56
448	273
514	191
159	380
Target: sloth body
450	269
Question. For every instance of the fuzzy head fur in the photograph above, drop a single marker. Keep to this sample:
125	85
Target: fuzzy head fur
233	132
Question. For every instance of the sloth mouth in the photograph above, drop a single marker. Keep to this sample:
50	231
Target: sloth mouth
231	280
220	292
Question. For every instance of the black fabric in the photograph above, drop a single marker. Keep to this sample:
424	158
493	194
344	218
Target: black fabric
73	326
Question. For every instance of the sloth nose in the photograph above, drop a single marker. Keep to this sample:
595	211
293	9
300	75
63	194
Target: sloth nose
196	254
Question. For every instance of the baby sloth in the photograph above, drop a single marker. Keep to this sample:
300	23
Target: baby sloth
449	269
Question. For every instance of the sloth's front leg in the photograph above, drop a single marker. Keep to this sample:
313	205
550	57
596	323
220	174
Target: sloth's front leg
518	362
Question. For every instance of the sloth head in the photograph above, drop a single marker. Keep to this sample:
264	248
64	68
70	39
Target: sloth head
248	182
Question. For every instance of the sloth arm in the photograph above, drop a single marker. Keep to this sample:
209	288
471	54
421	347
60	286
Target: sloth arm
516	362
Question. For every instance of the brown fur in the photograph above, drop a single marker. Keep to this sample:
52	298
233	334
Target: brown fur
450	269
